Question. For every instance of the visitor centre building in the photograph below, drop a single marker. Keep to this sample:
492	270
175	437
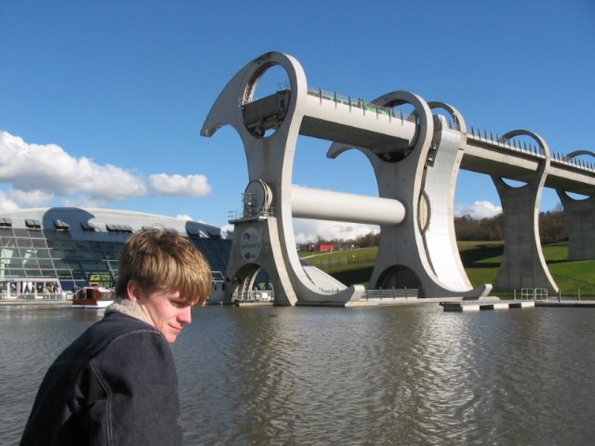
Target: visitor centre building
52	251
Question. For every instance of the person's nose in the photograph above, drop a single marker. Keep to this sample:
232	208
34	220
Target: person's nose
185	316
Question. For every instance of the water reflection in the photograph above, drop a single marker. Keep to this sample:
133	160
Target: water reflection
392	375
407	375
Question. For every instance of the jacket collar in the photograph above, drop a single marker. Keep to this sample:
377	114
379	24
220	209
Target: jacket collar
129	308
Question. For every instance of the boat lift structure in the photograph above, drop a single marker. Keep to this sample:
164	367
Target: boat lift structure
416	160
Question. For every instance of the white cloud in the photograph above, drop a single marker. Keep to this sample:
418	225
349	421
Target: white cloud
479	209
227	231
40	174
190	185
308	230
34	198
12	200
7	204
109	182
48	168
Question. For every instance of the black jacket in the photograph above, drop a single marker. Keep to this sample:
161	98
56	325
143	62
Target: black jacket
115	385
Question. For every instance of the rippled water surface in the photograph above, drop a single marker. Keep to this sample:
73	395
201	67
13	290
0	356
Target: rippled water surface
375	376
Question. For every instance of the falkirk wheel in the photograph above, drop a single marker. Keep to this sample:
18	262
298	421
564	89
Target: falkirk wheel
415	159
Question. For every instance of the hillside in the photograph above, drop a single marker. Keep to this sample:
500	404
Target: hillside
480	259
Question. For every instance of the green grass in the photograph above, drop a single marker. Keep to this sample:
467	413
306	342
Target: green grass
480	259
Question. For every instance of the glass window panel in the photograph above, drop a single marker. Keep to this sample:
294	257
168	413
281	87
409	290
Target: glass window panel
59	224
46	263
94	266
58	253
39	243
59	263
32	223
64	244
86	255
15	262
64	274
27	253
78	274
7	253
32	263
82	245
43	253
24	242
8	242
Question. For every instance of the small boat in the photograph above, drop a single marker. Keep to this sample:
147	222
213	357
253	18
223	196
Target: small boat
93	297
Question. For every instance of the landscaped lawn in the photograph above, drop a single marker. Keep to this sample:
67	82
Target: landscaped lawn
480	259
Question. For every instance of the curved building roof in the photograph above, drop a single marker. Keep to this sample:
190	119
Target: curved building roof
75	247
103	224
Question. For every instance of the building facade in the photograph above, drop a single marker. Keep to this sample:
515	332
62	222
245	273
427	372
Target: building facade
52	251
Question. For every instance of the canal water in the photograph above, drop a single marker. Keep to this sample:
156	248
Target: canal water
406	375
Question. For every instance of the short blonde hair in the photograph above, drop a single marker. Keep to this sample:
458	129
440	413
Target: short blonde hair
163	259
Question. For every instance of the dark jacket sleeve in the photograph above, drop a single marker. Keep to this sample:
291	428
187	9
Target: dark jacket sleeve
133	393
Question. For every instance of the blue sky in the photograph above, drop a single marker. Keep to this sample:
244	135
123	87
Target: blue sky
102	102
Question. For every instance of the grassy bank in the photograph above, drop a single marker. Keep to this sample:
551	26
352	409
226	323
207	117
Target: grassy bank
480	259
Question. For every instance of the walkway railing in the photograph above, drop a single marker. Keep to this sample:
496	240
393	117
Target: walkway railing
242	215
479	134
255	296
393	293
533	294
38	296
358	103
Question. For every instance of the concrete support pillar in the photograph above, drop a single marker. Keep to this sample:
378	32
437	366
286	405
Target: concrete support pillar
580	215
254	249
523	264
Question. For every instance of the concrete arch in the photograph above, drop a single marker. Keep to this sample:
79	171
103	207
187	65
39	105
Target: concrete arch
576	153
423	178
242	285
523	264
455	114
270	159
398	277
243	281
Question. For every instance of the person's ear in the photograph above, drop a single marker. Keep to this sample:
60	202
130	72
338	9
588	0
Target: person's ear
134	290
